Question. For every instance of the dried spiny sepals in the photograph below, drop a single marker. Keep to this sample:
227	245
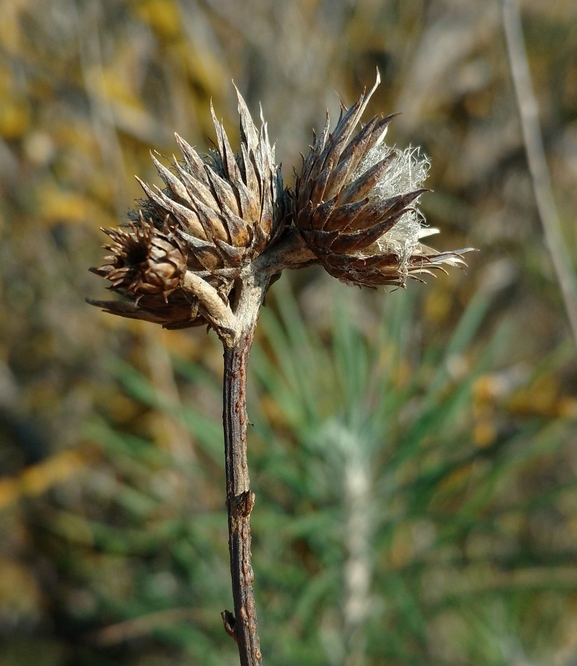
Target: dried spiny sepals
355	204
225	206
216	214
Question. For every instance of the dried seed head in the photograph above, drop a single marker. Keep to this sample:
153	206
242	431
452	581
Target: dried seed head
355	204
216	214
143	260
146	266
225	206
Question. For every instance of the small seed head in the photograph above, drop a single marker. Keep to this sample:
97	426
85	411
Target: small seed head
143	260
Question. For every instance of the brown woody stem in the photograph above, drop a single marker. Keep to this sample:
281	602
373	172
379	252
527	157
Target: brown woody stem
240	500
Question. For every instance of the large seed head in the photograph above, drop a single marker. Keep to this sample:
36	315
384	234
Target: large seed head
356	204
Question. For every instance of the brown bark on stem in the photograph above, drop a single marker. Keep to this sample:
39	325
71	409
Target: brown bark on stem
240	500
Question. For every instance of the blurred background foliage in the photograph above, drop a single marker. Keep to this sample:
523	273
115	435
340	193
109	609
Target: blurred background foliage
413	454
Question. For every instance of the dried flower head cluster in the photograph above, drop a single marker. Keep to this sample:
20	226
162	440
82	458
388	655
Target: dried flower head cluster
355	204
215	215
353	210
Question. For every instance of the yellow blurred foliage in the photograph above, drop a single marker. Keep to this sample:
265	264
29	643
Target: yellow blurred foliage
118	84
37	479
401	549
484	433
438	304
205	68
457	479
20	596
273	412
123	409
486	388
403	373
162	16
10	36
14	118
543	398
59	205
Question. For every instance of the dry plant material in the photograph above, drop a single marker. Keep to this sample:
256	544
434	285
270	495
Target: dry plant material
536	159
205	249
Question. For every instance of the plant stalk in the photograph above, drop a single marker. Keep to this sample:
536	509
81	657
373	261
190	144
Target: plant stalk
537	161
237	337
240	500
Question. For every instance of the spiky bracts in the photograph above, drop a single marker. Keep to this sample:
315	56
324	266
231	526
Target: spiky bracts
355	204
216	214
353	210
